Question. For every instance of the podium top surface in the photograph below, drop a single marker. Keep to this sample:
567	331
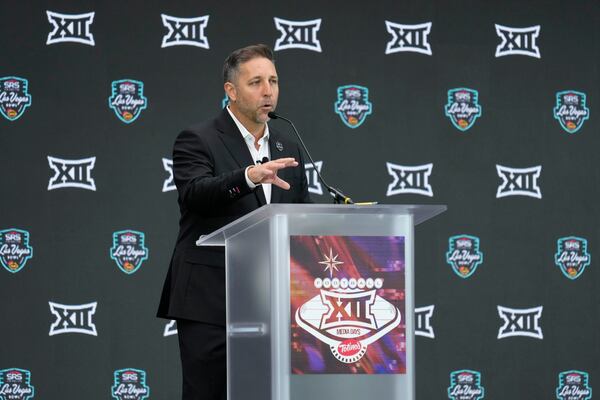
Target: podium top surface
420	213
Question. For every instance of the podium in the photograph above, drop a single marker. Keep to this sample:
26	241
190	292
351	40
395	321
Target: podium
314	304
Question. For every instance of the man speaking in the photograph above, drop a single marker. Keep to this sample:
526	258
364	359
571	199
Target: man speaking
222	171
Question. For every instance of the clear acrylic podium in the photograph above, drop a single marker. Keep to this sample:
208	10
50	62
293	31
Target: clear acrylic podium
258	298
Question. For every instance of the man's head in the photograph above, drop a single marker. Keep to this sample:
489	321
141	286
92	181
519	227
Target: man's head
251	83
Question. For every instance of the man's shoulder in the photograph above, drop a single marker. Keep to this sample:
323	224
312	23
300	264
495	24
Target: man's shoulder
208	128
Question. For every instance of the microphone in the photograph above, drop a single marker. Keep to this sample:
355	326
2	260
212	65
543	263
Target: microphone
263	161
338	196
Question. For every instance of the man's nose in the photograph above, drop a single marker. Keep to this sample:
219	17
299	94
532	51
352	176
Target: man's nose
267	89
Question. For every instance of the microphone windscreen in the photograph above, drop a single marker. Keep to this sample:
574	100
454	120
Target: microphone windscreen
272	115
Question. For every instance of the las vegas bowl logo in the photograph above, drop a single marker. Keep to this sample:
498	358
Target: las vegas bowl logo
127	99
14	249
347	314
463	255
463	108
353	105
14	97
572	256
571	110
129	250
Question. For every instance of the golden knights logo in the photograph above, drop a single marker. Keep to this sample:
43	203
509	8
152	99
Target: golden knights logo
15	384
128	250
465	385
463	108
572	256
570	110
14	249
130	384
127	99
573	385
14	97
353	105
463	255
347	314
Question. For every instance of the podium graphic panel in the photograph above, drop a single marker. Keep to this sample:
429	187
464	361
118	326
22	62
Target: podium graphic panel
347	305
269	283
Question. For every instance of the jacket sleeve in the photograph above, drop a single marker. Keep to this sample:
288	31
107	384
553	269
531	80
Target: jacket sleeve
200	189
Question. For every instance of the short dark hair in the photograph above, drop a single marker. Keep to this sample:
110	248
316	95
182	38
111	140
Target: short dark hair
235	59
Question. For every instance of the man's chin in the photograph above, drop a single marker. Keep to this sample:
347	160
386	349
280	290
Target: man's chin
263	117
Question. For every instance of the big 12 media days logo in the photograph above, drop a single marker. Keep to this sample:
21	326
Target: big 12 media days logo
465	385
128	250
130	384
127	99
571	110
353	316
15	250
14	97
15	384
573	385
572	256
463	255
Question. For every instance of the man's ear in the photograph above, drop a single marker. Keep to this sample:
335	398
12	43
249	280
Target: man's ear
230	91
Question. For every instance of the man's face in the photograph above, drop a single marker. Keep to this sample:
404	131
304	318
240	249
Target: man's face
255	90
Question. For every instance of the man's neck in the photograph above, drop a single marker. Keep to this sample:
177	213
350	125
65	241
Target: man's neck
256	129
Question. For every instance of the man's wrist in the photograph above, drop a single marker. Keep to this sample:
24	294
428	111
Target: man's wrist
251	184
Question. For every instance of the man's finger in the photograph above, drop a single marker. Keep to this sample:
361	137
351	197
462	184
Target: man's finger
280	165
285	159
287	162
281	183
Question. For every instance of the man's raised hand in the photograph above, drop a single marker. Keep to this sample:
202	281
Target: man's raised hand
267	172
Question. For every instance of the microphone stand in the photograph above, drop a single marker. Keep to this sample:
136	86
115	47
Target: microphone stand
338	196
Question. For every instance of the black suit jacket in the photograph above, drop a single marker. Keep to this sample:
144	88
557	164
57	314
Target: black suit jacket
209	162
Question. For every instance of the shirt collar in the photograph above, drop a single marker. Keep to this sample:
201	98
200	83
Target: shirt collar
245	133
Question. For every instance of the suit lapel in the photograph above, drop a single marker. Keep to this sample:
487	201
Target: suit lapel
233	140
234	143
